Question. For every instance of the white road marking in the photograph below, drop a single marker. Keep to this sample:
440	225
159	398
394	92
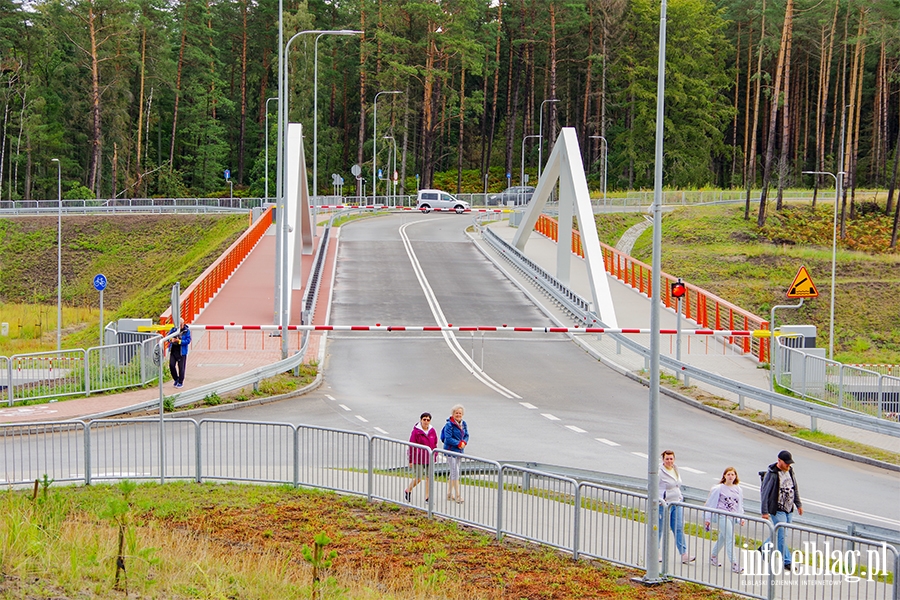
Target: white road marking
641	454
607	442
363	419
690	470
549	416
380	430
528	405
344	406
576	429
441	320
330	397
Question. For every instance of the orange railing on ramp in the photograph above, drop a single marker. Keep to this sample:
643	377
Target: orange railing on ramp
199	293
704	308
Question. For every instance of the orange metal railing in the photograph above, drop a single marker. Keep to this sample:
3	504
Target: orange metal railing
706	309
195	297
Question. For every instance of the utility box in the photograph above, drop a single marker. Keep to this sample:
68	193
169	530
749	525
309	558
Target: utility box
804	336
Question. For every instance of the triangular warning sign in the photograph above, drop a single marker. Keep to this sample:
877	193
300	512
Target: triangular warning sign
802	286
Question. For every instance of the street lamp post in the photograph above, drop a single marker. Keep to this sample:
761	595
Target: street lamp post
281	263
838	184
375	140
605	163
267	145
522	172
58	254
316	102
541	132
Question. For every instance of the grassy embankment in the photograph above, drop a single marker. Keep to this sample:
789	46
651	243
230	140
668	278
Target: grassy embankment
238	541
141	256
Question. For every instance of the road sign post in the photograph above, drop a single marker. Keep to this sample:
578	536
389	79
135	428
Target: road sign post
100	285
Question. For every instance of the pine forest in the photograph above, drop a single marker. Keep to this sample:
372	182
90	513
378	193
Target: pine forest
140	98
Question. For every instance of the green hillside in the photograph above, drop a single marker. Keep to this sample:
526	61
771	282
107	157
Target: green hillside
142	256
715	248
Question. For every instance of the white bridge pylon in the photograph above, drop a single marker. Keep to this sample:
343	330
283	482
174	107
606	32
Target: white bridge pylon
564	165
300	237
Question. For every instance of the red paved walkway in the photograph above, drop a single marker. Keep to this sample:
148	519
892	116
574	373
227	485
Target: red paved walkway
247	298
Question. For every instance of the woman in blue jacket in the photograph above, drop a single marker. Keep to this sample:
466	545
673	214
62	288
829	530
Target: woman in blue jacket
455	436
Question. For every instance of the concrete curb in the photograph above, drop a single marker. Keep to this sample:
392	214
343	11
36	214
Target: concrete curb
742	420
235	405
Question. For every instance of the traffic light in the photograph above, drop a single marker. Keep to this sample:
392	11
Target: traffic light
678	289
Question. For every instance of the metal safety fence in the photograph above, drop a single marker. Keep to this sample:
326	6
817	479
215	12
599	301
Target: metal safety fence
845	386
710	547
60	373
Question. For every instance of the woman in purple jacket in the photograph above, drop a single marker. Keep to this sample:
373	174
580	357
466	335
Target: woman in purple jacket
420	459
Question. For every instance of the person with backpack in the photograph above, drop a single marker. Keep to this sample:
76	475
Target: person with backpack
778	496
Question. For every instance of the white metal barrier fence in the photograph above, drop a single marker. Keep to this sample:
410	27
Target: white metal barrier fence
845	386
583	518
54	374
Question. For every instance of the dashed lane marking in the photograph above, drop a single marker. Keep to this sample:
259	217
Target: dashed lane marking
576	429
380	430
361	418
344	406
690	470
528	405
549	416
641	454
607	442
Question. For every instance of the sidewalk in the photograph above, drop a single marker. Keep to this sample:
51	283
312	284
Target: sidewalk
247	298
633	311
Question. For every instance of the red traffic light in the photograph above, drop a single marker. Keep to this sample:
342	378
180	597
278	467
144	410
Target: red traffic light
678	289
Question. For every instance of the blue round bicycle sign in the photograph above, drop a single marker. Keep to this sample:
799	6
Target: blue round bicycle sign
100	282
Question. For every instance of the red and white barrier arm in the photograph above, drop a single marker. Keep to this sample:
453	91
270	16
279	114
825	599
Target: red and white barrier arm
463	328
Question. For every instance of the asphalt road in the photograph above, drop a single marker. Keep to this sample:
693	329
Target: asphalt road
540	398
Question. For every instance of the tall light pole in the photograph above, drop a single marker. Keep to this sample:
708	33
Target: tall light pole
541	132
267	145
652	575
375	140
58	255
316	102
522	172
838	184
605	163
282	287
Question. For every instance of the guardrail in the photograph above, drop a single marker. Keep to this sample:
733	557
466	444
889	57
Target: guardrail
845	386
579	517
55	374
201	291
577	306
706	309
126	205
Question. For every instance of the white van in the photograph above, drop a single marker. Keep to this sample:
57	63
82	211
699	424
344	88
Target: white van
427	200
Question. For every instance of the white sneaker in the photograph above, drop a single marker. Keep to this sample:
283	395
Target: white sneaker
714	561
737	568
687	558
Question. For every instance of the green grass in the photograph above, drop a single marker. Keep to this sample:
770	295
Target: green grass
142	256
713	247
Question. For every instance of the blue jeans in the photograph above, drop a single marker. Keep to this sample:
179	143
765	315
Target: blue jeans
781	546
726	538
676	524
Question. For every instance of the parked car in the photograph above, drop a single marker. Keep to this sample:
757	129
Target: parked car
517	194
427	200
